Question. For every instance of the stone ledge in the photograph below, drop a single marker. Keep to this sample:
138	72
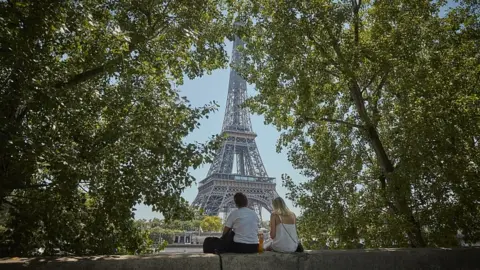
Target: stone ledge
439	259
461	258
149	262
395	259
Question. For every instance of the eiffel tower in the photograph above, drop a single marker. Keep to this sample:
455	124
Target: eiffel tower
215	192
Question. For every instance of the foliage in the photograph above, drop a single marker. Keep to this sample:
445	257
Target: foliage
49	227
212	224
162	237
162	233
179	225
3	220
91	122
379	105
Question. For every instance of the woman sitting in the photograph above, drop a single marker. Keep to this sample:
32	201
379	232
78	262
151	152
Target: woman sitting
283	230
244	223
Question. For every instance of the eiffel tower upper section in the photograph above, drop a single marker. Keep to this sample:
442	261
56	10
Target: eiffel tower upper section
238	157
240	138
237	118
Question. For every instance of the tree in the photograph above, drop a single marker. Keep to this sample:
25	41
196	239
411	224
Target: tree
91	120
162	233
211	224
378	102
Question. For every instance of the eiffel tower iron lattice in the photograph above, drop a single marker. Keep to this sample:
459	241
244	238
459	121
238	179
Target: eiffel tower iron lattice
215	192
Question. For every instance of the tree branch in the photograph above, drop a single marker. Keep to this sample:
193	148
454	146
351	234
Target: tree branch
377	93
341	122
325	119
9	203
356	9
27	186
322	50
5	50
382	82
329	72
383	186
86	75
86	191
370	81
20	16
16	196
336	48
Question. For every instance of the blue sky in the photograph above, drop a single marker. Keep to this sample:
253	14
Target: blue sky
202	90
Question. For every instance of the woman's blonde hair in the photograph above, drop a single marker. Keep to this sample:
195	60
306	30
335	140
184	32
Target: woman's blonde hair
280	207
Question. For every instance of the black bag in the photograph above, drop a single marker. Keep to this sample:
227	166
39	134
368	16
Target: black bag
217	245
299	247
211	244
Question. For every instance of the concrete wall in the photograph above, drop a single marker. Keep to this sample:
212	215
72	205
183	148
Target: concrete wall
468	258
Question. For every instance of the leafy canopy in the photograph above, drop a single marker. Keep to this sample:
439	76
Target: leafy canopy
211	224
379	106
91	121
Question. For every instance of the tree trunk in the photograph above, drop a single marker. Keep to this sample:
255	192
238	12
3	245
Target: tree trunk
400	203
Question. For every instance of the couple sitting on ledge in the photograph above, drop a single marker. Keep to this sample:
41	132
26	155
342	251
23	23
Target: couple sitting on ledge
240	234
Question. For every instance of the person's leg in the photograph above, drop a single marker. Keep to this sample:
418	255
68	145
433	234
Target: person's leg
243	248
252	248
234	247
247	248
267	246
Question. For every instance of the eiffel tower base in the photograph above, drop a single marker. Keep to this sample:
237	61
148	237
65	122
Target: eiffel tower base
216	196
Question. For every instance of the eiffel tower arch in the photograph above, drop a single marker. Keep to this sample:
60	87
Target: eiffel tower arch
237	166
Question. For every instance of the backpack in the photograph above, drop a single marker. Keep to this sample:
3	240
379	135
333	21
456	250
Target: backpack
218	245
212	245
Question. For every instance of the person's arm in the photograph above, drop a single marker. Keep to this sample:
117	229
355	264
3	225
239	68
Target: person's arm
273	226
229	223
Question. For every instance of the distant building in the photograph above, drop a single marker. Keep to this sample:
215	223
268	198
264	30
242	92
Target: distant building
184	238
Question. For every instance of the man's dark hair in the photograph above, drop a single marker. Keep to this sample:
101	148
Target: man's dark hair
240	200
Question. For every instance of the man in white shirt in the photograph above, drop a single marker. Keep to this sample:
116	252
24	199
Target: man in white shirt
244	223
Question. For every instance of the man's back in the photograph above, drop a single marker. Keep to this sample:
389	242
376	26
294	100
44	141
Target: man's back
244	222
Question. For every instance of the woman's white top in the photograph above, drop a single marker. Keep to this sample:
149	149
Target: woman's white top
286	238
